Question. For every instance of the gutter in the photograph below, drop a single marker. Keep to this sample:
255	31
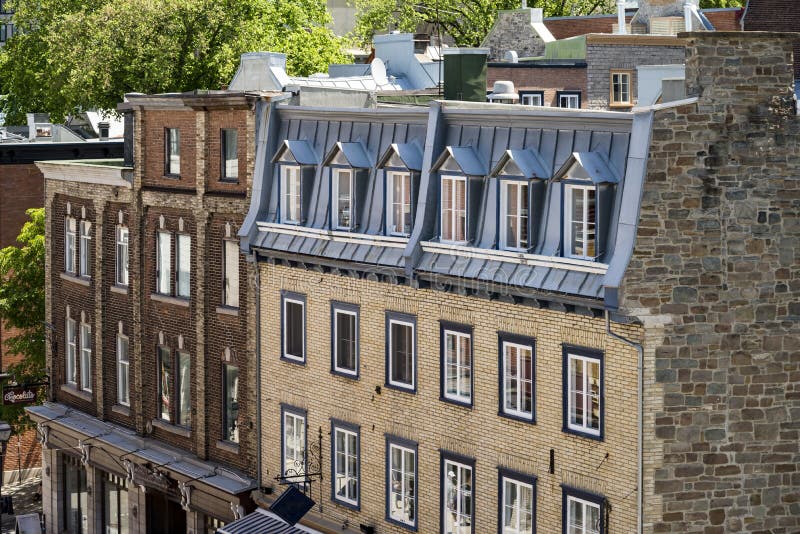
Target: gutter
640	456
258	370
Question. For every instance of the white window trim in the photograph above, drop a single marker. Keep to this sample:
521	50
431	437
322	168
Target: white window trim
344	370
458	467
395	383
229	173
521	202
454	212
173	157
72	351
568	198
335	173
163	268
123	366
301	446
122	278
507	529
520	397
583	427
458	396
179	260
70	245
575	501
302	357
404	470
390	200
347	475
290	173
85	266
86	357
531	96
568	98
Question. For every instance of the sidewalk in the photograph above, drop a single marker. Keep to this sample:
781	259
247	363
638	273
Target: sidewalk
22	493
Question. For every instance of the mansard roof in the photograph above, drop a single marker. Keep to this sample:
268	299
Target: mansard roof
353	153
408	153
299	149
588	165
527	160
465	158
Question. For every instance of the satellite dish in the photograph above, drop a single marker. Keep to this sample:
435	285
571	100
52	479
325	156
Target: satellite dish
378	69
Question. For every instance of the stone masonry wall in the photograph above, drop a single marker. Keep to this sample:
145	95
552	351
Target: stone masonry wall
514	30
715	279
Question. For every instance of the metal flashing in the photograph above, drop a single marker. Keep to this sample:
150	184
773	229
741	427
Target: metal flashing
466	159
409	154
528	160
300	150
595	164
353	152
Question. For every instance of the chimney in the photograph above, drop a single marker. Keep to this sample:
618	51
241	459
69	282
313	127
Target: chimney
621	29
465	74
260	71
102	131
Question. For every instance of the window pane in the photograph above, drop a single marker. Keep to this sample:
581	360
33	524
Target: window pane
401	353
122	256
345	340
576	393
230	154
293	329
86	357
231	268
447	209
71	352
231	430
86	248
173	151
184	390
123	392
290	201
164	259
165	383
460	205
69	244
343	198
400	204
184	261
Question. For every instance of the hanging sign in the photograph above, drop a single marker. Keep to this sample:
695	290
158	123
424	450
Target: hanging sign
22	394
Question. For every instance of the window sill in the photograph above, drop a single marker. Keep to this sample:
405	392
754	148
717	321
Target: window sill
582	434
228	310
295	361
228	446
458	402
229	181
172	176
515	417
411	388
74	391
623	105
177	301
174	429
76	279
121	290
119	409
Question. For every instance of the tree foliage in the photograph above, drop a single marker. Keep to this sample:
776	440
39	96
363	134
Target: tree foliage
82	54
709	4
22	309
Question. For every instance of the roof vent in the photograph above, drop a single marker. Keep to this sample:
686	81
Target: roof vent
503	92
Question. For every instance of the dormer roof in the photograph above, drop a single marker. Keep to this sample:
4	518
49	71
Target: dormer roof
352	153
299	150
408	153
591	166
528	164
465	158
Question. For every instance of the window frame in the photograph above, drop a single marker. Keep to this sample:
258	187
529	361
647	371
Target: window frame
586	497
407	320
161	275
585	188
168	152
519	478
225	385
568	94
620	103
283	182
459	330
523	94
404	445
86	356
446	457
450	175
338	425
85	249
121	485
71	364
228	299
179	259
335	208
585	354
223	145
504	339
126	363
504	214
160	350
352	310
178	383
297	413
294	298
70	245
122	276
391	175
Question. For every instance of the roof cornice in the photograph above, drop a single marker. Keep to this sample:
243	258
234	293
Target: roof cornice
379	115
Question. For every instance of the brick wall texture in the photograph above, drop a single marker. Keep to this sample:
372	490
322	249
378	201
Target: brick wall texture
548	80
714	278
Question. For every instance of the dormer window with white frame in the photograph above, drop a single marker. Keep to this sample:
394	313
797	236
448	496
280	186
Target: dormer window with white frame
401	163
454	209
580	237
460	173
343	199
349	164
514	207
296	161
291	195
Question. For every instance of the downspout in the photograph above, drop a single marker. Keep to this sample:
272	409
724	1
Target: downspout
258	369
639	378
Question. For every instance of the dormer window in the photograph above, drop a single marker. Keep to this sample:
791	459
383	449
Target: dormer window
349	165
401	164
454	209
514	204
461	172
588	197
296	162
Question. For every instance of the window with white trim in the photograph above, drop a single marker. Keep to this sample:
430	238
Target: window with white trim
518	372
346	464
457	362
183	258
454	209
621	88
584	394
457	509
569	100
398	213
229	144
173	151
70	244
175	387
291	195
580	221
164	263
517	506
343	199
72	352
294	327
532	98
122	256
293	464
230	268
402	484
86	357
401	348
514	205
345	339
123	371
86	249
230	409
583	517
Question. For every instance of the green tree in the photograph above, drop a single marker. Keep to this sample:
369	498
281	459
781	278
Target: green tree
82	54
708	4
22	309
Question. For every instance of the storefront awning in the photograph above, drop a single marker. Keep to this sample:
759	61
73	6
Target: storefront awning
263	522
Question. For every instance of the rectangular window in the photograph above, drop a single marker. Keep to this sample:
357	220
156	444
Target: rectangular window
173	160
184	389
346	464
231	399
532	98
115	504
294	327
345	339
517	503
582	512
183	259
86	357
457	363
457	505
343	199
584	392
231	273
164	262
401	482
454	209
230	154
581	221
72	352
70	230
76	496
569	100
291	197
621	88
86	249
123	371
294	446
401	349
165	384
517	377
399	216
514	202
122	256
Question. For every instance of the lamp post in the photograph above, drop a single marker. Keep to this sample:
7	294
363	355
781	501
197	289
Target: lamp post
5	435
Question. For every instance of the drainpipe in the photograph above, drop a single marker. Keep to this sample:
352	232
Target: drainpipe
258	369
639	377
621	29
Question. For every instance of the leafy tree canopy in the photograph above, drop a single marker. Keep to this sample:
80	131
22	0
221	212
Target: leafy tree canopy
70	55
22	308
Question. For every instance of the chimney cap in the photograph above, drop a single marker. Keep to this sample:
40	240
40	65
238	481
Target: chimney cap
503	90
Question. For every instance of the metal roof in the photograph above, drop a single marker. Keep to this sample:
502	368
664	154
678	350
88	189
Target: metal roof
300	150
466	159
263	522
353	152
408	153
528	160
595	165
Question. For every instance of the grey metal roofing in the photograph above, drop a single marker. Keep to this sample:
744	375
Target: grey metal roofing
368	82
527	159
594	163
466	159
353	152
300	150
261	522
409	154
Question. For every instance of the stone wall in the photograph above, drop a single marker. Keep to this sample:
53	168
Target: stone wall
715	280
514	30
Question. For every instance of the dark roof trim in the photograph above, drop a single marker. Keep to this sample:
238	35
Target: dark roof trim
377	115
27	153
539	64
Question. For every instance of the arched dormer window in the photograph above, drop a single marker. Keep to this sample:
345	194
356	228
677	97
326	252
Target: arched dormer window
589	180
296	162
349	166
520	177
401	164
461	174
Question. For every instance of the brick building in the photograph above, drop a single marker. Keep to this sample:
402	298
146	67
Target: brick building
150	425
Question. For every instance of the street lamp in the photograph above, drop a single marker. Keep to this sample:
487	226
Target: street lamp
5	435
